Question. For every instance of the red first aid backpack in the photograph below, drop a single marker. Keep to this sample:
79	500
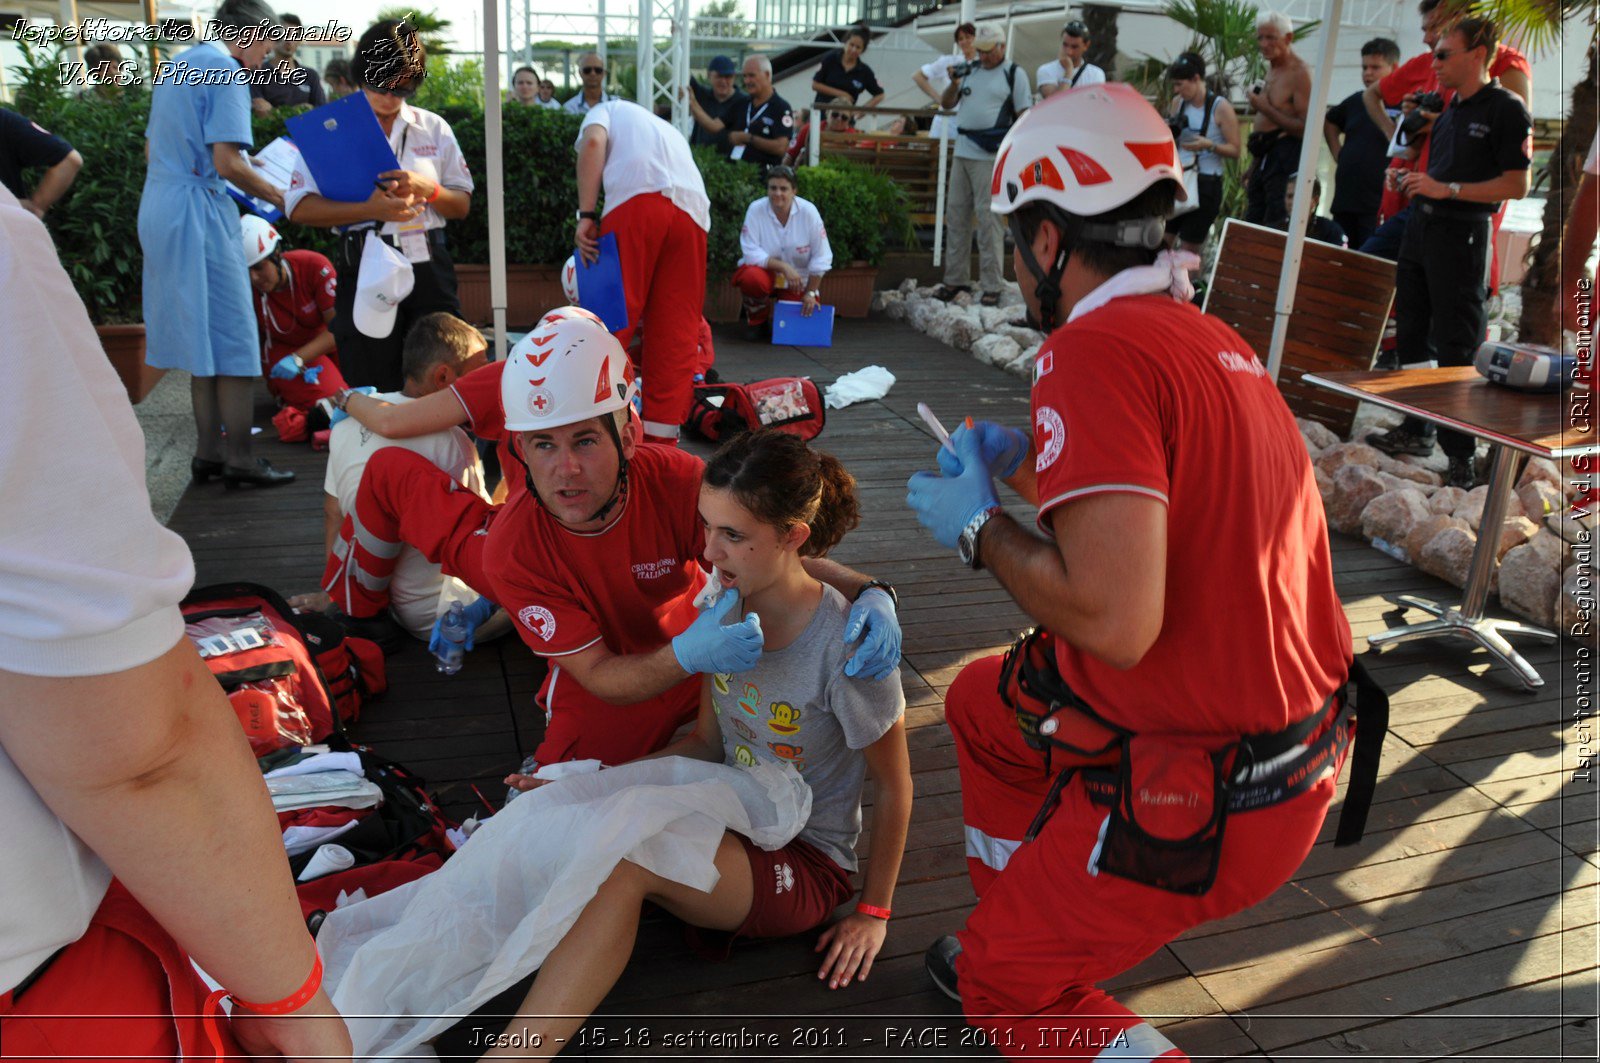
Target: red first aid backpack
292	679
788	404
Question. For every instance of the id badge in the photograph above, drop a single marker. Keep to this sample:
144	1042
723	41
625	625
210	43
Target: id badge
414	241
737	153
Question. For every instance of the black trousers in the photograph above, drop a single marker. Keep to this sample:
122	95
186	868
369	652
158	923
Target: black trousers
1441	294
1268	180
367	361
1358	225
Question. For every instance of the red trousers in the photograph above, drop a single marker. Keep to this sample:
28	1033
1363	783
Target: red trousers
663	254
297	393
757	283
406	500
1046	930
124	990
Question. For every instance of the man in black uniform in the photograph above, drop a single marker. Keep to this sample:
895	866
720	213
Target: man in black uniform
1360	148
717	107
24	145
1482	149
290	84
763	127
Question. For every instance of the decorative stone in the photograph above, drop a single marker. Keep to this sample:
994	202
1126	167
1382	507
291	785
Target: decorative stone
1540	469
1324	484
1023	337
1022	364
1393	514
1513	533
1550	548
1446	499
908	286
1540	498
995	350
1448	555
1353	487
1392	482
1341	454
1318	436
1575	605
964	299
1471	508
964	329
1426	530
922	313
1407	469
1529	584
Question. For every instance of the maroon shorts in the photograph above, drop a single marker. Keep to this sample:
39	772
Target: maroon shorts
796	888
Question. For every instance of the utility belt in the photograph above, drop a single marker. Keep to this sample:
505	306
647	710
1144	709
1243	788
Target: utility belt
352	240
1441	208
1170	795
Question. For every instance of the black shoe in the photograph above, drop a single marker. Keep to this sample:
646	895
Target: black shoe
1463	472
946	292
940	961
203	469
1403	440
261	474
382	629
757	333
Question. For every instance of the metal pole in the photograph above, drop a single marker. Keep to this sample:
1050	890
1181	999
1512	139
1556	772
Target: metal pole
600	43
939	193
1310	147
969	10
494	162
644	54
510	59
814	148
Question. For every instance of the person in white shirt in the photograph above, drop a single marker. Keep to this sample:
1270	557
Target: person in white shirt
408	209
592	73
933	78
1069	69
439	350
657	203
786	251
138	833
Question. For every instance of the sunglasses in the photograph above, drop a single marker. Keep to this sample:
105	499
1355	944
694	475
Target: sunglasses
398	93
592	69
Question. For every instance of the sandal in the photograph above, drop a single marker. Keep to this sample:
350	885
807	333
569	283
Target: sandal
990	299
944	292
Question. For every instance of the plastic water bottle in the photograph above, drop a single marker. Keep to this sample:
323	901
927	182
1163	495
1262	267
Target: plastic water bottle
453	632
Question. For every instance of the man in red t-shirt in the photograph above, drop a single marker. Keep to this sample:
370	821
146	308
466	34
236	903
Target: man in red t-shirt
293	293
596	560
1184	582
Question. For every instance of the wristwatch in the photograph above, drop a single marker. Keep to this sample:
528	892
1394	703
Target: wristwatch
967	545
881	584
1455	189
814	293
592	215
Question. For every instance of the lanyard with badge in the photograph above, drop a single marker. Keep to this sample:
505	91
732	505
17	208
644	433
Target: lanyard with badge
749	120
413	234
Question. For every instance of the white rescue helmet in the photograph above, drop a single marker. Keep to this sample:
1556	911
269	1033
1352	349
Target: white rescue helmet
260	238
569	280
1085	151
567	370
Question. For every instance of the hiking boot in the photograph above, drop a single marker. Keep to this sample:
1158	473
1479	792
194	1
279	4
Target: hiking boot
1403	439
1463	472
940	961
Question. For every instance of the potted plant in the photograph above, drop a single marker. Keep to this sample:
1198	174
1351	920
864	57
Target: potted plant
731	187
864	211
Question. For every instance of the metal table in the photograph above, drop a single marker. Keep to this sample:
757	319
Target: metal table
1514	424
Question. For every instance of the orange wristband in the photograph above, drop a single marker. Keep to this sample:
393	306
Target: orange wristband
293	1002
873	910
436	190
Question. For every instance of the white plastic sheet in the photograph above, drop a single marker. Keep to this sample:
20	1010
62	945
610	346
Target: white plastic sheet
863	385
445	944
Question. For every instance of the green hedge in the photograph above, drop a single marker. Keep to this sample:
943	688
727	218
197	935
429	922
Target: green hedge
96	225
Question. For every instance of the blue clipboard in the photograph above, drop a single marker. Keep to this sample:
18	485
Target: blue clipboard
600	288
344	147
791	328
254	205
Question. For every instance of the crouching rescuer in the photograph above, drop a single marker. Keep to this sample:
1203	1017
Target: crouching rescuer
1161	750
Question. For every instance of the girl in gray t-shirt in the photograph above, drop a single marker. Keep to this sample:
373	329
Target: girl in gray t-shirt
769	503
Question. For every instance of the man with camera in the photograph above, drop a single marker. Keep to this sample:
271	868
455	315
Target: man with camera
992	93
1480	154
1280	103
1071	67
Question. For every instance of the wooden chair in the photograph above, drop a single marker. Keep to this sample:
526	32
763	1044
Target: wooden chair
911	162
1340	309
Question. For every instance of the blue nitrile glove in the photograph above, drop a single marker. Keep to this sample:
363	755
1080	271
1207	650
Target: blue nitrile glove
472	617
312	374
873	621
335	415
287	368
947	504
1003	449
708	646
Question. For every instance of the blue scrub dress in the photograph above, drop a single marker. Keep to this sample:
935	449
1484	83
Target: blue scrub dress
197	312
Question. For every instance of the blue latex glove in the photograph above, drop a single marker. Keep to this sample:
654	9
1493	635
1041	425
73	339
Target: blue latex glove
312	374
872	620
708	646
335	415
287	368
946	504
472	617
1002	448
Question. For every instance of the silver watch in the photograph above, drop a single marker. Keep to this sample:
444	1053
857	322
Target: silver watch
967	545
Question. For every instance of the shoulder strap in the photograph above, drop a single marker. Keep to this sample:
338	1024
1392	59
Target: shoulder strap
1205	119
1081	68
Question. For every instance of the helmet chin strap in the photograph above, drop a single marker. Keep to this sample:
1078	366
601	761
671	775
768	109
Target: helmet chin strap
1048	288
618	492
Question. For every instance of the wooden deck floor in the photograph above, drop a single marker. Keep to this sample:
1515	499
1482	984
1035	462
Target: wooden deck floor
1464	926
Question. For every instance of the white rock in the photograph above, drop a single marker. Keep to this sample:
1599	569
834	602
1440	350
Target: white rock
1446	499
1406	468
1513	533
1448	555
964	300
1471	508
1392	482
908	286
1426	530
1316	434
1324	484
1353	487
1024	337
1550	547
964	329
1529	584
1540	498
1393	514
995	350
1339	455
922	313
1540	469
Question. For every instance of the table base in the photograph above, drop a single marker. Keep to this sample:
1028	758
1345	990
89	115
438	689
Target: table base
1486	631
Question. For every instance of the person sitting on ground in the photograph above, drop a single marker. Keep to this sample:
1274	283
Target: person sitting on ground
767	503
439	350
1317	227
294	293
786	251
337	79
597	559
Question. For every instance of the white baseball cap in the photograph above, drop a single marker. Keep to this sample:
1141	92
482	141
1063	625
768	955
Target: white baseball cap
382	284
988	36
